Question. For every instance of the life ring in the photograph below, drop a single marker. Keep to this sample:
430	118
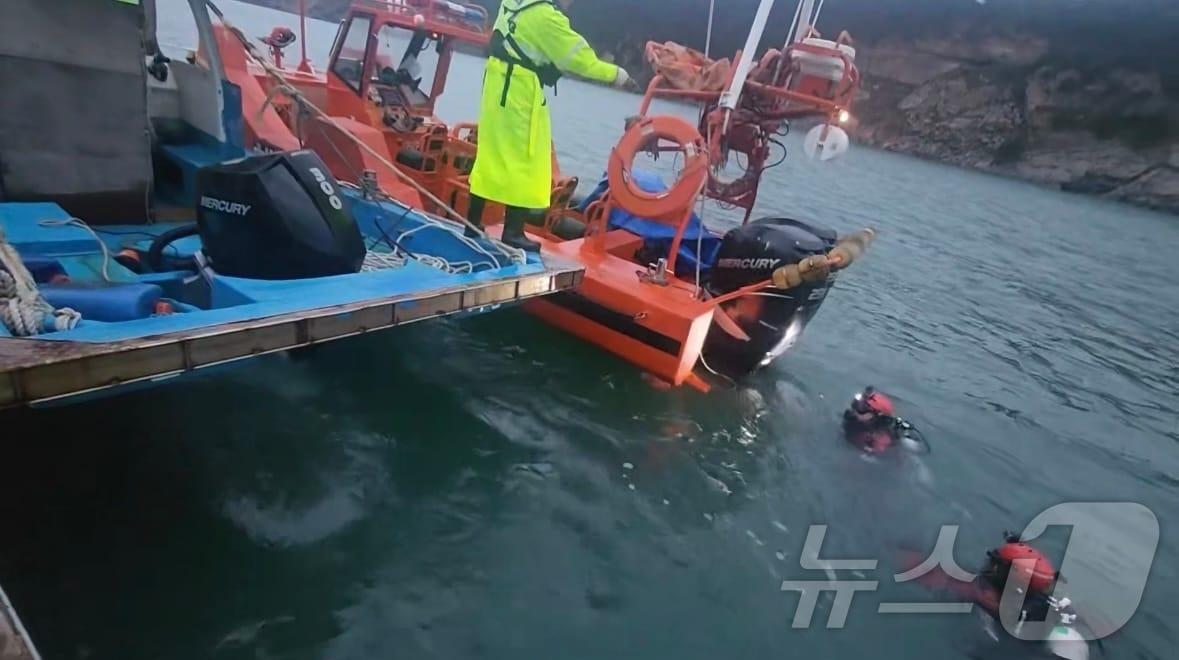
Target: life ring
681	195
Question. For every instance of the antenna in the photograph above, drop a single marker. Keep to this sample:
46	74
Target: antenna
304	64
708	37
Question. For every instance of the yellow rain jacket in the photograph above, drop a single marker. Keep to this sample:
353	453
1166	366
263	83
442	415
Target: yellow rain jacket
513	164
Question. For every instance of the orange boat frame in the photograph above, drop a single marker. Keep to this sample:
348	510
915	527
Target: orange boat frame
641	313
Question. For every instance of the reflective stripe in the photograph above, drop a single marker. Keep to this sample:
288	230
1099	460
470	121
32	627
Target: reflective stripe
563	63
531	53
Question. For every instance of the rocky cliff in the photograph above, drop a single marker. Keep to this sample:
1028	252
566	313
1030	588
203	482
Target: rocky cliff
1002	105
1078	94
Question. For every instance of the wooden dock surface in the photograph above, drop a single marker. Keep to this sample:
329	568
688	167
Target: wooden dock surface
37	371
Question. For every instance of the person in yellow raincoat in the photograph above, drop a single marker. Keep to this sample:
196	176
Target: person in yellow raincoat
531	47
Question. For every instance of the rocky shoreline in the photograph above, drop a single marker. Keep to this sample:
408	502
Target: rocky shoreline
994	105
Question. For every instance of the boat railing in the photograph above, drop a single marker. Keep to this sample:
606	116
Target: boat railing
435	13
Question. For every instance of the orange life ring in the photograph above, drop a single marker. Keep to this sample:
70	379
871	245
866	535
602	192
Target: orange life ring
682	194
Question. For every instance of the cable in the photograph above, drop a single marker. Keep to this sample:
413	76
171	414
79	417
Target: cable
713	371
780	160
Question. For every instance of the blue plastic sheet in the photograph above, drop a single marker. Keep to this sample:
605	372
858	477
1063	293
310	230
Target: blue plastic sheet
657	236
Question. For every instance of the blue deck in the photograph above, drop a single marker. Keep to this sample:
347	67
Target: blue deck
232	299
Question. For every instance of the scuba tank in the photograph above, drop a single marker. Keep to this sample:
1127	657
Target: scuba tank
1065	642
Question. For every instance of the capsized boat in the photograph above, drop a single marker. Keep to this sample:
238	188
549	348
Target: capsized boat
142	238
660	290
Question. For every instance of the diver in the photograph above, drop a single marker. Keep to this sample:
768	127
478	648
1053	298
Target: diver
531	47
1040	577
1035	579
870	423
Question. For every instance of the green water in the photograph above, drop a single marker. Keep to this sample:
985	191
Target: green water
490	488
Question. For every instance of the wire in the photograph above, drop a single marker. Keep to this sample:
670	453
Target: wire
392	242
713	371
781	160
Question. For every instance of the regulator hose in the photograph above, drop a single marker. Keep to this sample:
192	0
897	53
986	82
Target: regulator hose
906	430
155	254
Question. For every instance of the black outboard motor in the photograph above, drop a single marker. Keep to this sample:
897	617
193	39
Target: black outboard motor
772	318
276	217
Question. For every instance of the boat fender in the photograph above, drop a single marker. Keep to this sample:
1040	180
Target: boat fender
643	134
850	248
787	277
810	270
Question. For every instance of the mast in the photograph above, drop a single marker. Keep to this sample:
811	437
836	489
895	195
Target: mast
728	99
304	64
708	36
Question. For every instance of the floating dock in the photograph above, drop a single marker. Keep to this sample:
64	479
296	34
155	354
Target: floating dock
38	371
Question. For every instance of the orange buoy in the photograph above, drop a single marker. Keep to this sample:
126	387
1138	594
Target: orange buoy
679	196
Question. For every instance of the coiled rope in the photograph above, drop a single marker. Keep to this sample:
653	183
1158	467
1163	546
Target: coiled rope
22	308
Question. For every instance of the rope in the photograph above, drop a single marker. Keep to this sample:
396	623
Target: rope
434	261
22	308
78	222
514	254
381	261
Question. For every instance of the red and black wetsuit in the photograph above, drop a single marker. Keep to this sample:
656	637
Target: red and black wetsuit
874	437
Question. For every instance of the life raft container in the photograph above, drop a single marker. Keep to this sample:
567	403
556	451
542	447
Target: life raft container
821	62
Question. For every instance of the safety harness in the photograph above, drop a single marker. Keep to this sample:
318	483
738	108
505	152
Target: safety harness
548	74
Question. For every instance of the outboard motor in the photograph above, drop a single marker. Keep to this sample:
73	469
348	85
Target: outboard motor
276	217
772	318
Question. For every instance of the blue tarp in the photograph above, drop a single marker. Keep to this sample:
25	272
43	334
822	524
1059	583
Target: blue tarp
657	235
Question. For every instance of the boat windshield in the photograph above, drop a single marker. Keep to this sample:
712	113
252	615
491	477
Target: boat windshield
404	66
349	63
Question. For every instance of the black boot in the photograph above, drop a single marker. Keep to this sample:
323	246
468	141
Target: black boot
474	216
514	230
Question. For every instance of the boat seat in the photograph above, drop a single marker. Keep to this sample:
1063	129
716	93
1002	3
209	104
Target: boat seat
106	303
189	159
413	158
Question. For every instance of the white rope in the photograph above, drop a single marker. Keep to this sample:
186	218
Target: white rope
78	222
374	261
22	308
462	266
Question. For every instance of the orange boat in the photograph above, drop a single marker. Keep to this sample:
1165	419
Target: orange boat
659	289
